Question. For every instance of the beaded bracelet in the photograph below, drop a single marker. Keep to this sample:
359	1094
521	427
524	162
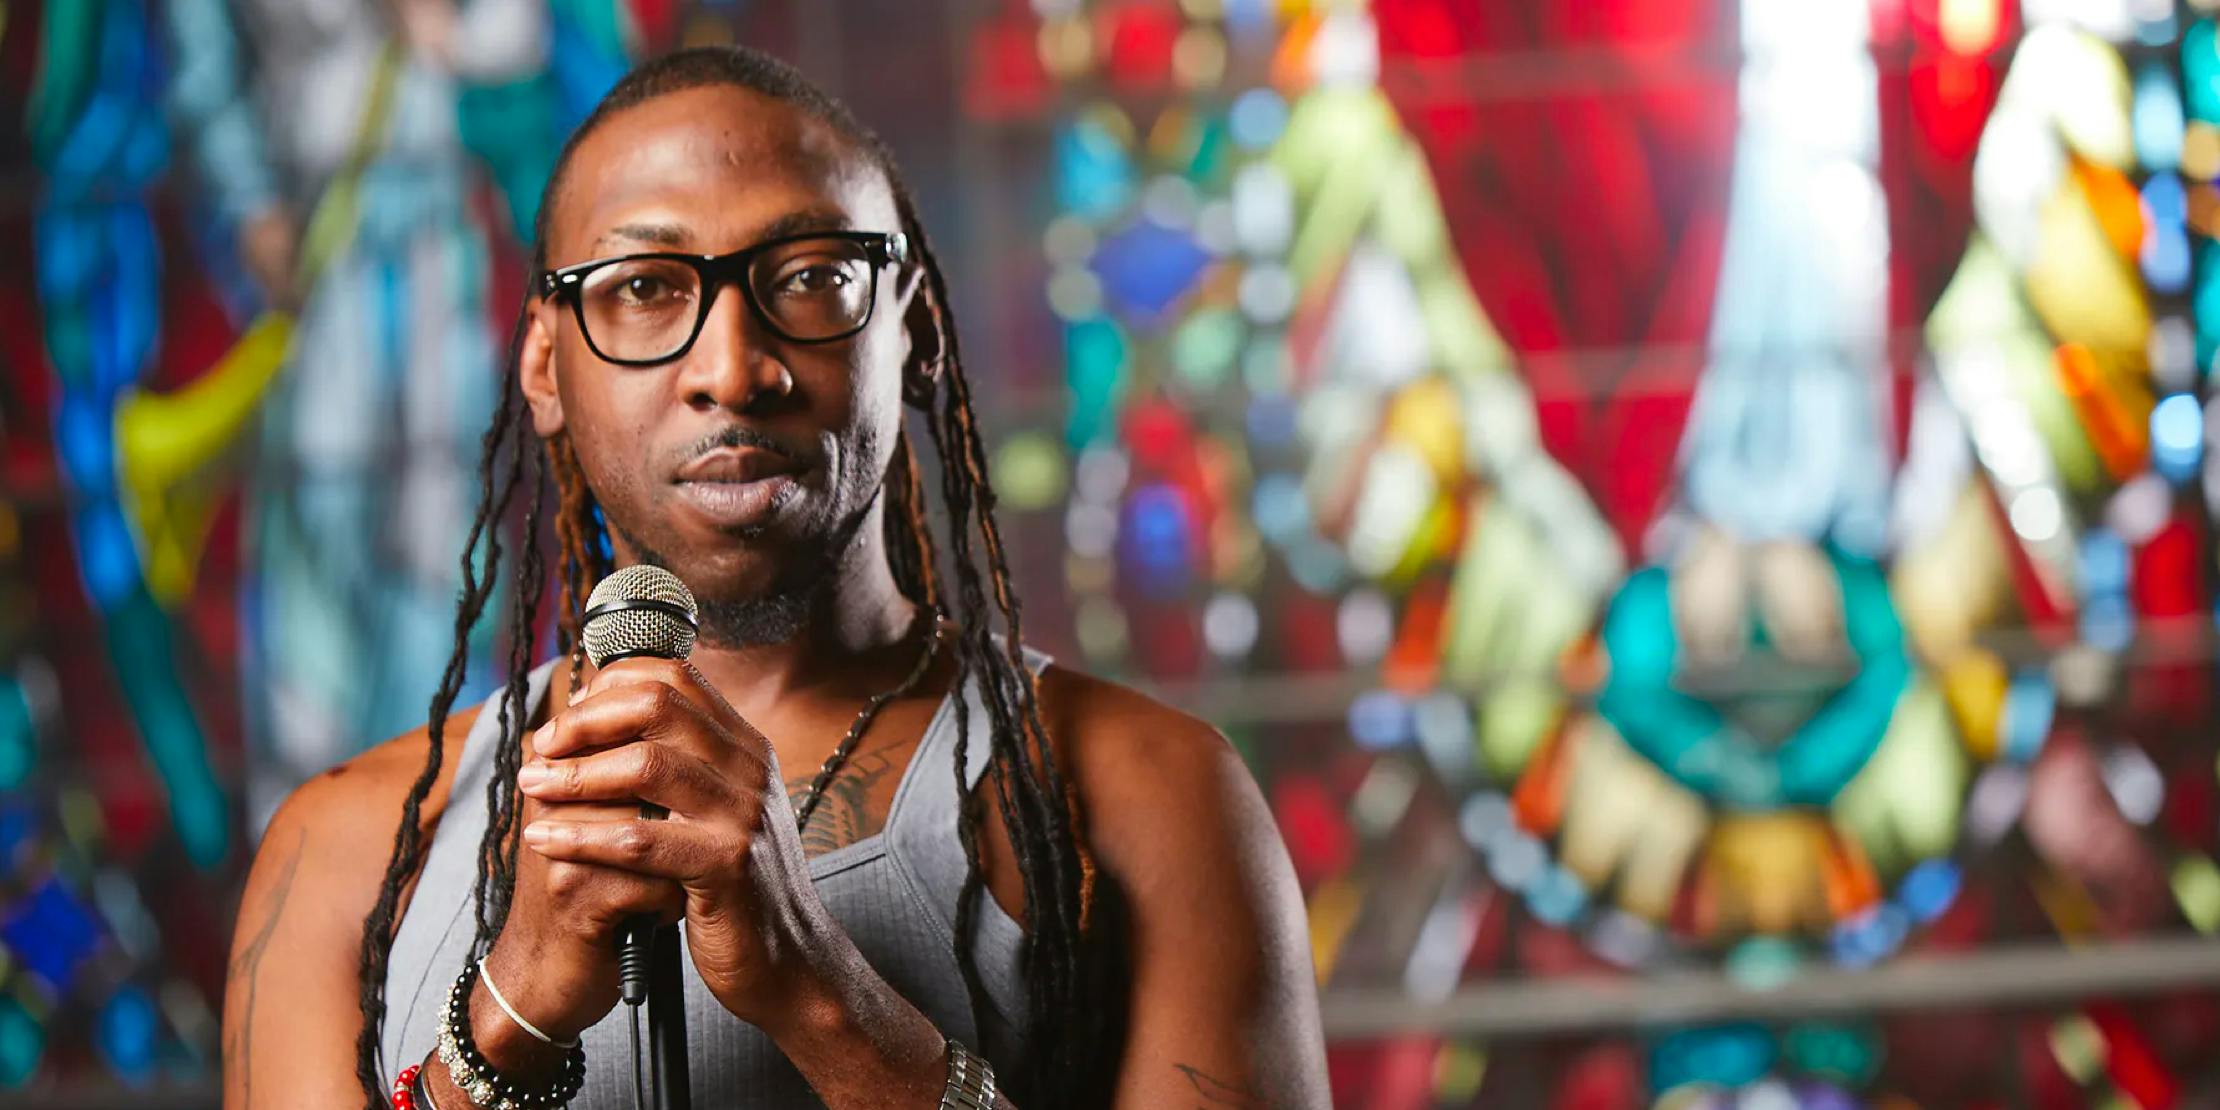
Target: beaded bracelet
404	1088
469	1070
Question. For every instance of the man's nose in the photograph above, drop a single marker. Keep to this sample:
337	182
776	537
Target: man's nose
734	363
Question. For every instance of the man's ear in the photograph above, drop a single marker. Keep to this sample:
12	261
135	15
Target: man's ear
921	321
535	370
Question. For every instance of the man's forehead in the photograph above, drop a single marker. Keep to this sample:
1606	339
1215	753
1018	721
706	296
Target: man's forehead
714	163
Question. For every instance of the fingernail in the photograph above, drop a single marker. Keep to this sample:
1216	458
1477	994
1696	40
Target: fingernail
541	735
536	835
531	775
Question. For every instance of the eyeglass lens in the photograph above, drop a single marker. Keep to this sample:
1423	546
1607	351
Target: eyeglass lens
642	309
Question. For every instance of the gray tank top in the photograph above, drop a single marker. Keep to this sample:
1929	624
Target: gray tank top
895	892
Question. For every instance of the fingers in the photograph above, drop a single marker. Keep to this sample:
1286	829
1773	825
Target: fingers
602	897
671	850
617	717
537	808
678	674
647	706
650	771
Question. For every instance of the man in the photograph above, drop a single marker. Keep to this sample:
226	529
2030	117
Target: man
997	859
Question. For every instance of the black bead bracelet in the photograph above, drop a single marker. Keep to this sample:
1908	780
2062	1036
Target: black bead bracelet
477	1077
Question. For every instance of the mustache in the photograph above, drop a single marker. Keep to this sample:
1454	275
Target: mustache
740	435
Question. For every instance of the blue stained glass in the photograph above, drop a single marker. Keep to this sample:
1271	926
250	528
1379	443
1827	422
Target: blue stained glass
2165	258
84	439
1380	719
1271	421
1095	354
15	828
1556	895
1156	539
2200	60
2028	708
105	554
2158	119
22	1042
2108	622
1824	1096
2163	195
1845	1053
1249	17
1928	888
50	932
18	735
1094	174
1282	512
1257	119
2205	302
1148	267
1728	1055
1870	936
2103	563
129	1031
2177	436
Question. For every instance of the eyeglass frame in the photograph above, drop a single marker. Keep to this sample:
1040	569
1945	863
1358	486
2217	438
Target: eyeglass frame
715	271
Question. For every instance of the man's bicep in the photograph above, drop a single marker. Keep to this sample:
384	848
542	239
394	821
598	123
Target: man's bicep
291	1002
1225	1010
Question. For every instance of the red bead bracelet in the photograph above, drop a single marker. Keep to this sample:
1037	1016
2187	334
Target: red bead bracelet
404	1088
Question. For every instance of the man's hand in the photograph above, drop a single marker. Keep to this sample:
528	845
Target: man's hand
556	957
652	730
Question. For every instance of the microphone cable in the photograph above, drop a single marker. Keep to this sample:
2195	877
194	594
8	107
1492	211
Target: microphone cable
639	1073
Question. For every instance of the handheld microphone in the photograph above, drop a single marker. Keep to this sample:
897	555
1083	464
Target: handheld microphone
645	610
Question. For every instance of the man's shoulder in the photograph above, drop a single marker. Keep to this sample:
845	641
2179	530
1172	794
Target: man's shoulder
344	810
1107	725
1144	769
1170	806
328	845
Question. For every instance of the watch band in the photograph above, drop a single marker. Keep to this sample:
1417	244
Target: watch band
970	1081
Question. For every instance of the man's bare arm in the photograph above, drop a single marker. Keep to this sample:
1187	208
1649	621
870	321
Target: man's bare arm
1224	1012
292	1002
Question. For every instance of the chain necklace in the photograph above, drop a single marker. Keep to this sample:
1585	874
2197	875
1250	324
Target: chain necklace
839	756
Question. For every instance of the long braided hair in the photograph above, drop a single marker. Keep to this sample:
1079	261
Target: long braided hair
1076	1015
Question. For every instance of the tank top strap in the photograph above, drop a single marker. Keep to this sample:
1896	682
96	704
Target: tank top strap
931	788
926	849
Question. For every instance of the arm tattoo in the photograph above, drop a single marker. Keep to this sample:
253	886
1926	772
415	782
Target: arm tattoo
844	815
245	973
1213	1092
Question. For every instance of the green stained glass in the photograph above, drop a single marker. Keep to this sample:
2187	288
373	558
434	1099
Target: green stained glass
1095	353
1205	348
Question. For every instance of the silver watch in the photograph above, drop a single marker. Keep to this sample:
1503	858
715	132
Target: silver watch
970	1081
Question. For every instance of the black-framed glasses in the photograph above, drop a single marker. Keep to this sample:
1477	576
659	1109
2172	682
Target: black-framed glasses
642	309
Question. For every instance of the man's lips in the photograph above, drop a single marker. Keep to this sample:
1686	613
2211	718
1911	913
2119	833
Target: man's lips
738	487
737	464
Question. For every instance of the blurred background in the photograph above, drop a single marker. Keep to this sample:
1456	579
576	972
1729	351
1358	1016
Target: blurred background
1698	512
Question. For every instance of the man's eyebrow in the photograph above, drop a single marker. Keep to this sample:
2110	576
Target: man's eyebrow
667	236
804	222
671	236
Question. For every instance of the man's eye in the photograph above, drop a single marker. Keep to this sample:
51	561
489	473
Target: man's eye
814	279
645	290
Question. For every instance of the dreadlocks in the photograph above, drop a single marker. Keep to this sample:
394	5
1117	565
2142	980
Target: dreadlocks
1075	1016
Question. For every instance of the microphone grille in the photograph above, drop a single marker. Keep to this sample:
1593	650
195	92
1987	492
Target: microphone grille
639	610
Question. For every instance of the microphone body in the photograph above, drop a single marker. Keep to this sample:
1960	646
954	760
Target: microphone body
645	610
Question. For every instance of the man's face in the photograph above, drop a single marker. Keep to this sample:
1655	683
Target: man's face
746	464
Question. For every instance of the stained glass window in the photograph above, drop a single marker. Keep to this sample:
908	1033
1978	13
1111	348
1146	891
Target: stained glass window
1696	511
